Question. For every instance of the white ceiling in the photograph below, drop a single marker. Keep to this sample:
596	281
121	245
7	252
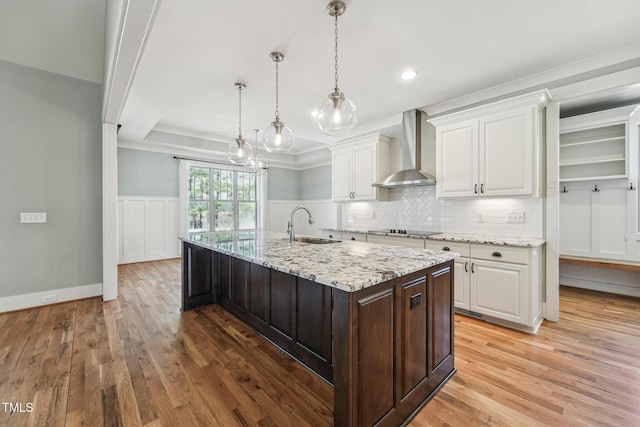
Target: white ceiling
60	36
198	49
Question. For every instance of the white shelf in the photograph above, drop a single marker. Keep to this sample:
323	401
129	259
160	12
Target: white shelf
593	162
593	151
595	141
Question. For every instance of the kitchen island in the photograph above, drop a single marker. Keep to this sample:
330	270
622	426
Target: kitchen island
375	321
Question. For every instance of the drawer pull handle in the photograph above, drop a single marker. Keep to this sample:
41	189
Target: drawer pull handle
466	266
446	248
497	254
475	188
473	267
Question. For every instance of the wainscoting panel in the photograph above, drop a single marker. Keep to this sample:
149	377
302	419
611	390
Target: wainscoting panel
147	228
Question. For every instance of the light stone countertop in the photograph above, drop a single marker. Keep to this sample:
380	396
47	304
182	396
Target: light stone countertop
523	242
348	265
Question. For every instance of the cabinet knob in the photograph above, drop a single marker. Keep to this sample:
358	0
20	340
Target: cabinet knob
353	238
446	248
331	236
497	254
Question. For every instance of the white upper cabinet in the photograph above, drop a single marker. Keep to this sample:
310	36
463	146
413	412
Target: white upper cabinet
356	165
492	150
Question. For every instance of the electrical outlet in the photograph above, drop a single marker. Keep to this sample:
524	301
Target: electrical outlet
50	298
514	217
33	217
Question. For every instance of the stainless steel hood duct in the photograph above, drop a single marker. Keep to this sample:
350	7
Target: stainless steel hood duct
414	127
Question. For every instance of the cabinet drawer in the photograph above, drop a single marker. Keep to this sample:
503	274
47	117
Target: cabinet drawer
399	241
360	237
330	234
441	245
501	253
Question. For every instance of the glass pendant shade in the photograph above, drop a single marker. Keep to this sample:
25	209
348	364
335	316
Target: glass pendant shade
258	163
277	138
337	115
239	151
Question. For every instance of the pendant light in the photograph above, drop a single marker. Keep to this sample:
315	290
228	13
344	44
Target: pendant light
258	163
277	138
337	115
239	150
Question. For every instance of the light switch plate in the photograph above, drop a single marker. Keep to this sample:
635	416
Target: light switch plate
514	217
33	217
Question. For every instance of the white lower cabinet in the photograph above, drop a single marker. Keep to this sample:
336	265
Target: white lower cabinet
498	289
501	283
461	271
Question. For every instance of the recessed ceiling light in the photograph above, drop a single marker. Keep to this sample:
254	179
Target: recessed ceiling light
408	75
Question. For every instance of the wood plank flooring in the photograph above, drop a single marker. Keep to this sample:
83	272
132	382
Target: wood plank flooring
138	361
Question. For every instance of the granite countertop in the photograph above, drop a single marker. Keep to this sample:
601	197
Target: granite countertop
348	265
523	242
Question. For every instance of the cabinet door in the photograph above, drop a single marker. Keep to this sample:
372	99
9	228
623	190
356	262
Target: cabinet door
461	283
364	173
507	153
375	371
440	314
457	160
499	290
413	359
341	176
197	278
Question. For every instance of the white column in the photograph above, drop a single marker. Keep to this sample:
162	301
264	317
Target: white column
552	214
109	212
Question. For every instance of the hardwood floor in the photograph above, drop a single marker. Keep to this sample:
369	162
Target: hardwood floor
139	361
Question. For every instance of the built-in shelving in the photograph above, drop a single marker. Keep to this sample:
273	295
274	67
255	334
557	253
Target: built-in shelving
594	153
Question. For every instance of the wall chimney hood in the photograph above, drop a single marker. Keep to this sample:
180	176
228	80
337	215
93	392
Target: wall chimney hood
414	128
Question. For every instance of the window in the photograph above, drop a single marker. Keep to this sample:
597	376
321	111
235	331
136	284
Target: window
221	200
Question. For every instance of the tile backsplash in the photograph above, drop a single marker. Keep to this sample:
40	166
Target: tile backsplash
416	208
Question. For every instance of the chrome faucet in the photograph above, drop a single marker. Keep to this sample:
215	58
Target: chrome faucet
290	231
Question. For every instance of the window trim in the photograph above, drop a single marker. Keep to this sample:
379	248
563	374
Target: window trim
258	200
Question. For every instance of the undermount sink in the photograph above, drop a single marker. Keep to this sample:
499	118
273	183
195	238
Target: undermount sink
316	240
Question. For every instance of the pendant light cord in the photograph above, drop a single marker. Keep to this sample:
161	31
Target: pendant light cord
336	50
240	113
277	108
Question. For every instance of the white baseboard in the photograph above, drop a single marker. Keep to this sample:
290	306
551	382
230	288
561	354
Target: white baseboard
145	258
36	299
600	286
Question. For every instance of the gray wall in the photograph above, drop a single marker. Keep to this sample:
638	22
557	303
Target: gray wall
51	154
145	173
307	184
283	184
315	183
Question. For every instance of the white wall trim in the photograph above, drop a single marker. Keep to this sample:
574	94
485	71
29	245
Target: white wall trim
149	228
601	286
109	211
20	302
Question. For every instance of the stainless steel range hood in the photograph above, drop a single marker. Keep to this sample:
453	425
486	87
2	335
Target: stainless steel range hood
414	127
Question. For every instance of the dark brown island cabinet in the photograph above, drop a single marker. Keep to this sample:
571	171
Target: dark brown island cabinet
386	349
